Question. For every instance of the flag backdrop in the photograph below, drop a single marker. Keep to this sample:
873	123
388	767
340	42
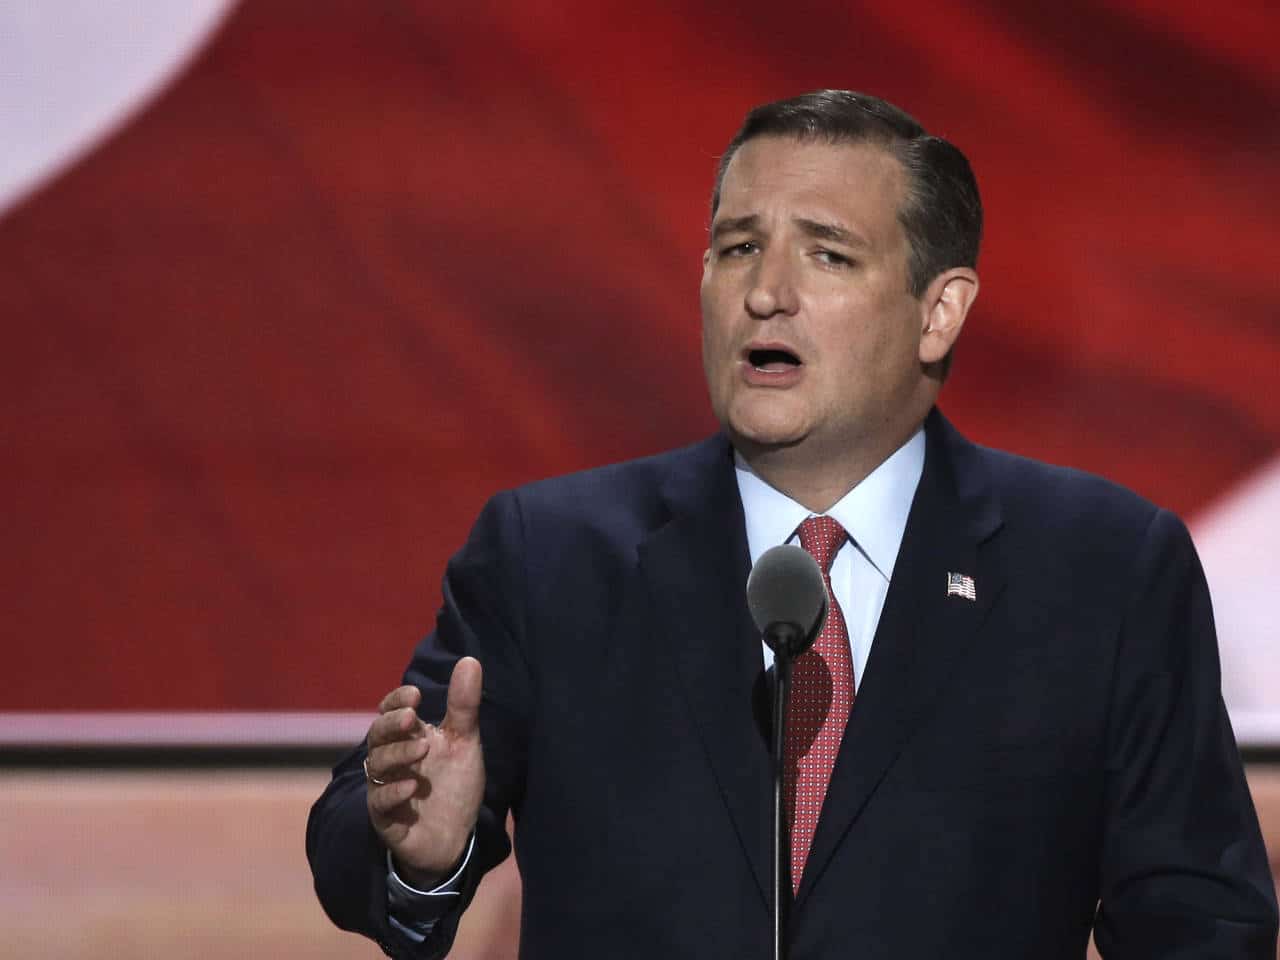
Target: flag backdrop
287	289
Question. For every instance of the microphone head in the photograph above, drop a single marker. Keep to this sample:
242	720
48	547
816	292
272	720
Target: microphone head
787	599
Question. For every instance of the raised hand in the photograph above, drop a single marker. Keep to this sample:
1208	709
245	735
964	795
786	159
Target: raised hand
426	782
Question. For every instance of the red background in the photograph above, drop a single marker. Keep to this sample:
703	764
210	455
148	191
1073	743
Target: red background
269	348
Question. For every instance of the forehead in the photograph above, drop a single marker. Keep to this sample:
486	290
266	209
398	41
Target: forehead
859	184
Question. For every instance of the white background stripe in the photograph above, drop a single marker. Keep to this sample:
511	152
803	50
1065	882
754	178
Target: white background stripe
1256	728
74	71
214	729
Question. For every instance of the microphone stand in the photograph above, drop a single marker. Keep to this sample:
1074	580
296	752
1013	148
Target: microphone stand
782	638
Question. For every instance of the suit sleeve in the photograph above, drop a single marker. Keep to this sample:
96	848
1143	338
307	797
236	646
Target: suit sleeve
483	616
1183	872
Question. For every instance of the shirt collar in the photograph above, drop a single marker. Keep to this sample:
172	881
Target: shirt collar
874	513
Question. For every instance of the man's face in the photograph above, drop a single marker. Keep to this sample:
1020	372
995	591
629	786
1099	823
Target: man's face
809	333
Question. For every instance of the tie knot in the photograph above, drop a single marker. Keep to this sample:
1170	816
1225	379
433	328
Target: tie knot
822	538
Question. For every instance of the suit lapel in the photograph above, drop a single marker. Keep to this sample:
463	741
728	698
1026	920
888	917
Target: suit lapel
696	568
922	630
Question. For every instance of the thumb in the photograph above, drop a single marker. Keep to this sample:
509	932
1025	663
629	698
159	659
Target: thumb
462	715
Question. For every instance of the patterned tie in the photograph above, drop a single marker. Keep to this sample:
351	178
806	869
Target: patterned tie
818	708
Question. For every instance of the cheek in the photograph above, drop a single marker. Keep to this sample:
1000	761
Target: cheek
716	332
708	354
708	333
712	351
893	333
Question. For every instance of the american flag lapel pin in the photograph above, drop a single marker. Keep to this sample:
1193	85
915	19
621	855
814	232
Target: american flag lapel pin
959	585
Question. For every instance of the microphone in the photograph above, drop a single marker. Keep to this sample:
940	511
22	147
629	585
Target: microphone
787	599
788	602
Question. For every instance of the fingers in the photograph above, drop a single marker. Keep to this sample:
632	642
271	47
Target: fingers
394	761
462	716
402	724
406	696
383	799
397	717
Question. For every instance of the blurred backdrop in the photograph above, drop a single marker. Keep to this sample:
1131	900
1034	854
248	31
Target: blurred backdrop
289	288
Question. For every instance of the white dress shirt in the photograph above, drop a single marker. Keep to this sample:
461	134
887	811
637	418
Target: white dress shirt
873	514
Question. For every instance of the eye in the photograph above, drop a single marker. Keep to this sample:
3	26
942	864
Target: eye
744	249
832	258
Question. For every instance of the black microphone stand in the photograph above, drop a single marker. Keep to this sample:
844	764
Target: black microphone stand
782	638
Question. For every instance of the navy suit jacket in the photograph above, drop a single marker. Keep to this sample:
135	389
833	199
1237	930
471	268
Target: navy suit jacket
1048	758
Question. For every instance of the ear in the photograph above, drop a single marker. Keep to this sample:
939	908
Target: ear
943	308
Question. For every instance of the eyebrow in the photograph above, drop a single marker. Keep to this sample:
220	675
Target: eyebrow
818	229
734	225
831	231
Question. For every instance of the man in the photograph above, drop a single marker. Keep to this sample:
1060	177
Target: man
1015	732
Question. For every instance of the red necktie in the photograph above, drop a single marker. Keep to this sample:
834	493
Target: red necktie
818	708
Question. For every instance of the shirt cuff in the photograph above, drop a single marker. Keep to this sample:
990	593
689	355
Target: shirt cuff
414	912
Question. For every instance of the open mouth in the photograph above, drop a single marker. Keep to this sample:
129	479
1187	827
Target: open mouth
772	361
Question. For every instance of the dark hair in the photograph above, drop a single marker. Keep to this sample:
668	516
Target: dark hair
942	212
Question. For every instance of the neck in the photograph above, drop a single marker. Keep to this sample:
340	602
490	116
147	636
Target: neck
818	476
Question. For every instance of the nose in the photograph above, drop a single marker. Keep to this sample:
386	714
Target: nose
772	289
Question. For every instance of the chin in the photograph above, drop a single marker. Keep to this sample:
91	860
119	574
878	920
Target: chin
764	434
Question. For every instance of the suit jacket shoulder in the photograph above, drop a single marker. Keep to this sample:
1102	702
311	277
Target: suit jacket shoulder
1056	498
629	492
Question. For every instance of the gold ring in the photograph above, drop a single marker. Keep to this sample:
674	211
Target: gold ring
370	777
